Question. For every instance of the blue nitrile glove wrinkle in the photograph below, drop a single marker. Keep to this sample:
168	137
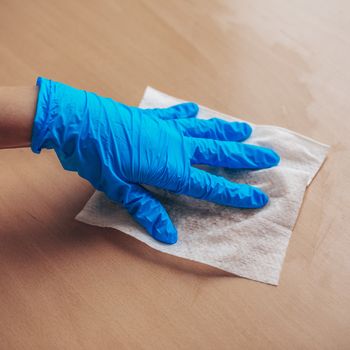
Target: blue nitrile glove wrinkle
118	148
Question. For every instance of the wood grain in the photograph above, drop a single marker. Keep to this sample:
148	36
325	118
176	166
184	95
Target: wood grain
66	285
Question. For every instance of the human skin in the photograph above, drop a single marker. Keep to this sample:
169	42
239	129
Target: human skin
17	111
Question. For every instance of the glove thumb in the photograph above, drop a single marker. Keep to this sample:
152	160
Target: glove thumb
149	213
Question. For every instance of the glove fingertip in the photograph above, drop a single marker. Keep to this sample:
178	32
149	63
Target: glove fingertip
187	110
230	131
247	129
275	158
193	108
166	233
267	158
243	130
158	224
259	199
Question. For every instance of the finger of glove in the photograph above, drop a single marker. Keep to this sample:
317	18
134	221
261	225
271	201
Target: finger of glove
230	154
182	110
215	128
217	189
149	213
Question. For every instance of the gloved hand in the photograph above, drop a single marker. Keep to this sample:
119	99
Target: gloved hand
118	148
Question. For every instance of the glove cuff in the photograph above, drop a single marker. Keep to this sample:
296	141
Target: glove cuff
46	111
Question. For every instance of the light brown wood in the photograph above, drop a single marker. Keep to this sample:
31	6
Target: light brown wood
66	285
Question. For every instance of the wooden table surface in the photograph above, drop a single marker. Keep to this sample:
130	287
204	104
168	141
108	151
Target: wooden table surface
66	285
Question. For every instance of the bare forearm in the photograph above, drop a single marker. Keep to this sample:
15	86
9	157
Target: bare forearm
17	110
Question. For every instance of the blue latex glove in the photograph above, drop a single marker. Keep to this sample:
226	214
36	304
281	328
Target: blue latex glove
118	148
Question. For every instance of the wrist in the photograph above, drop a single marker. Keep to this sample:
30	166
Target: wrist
17	109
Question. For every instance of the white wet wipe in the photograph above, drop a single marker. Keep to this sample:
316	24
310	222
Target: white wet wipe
250	243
